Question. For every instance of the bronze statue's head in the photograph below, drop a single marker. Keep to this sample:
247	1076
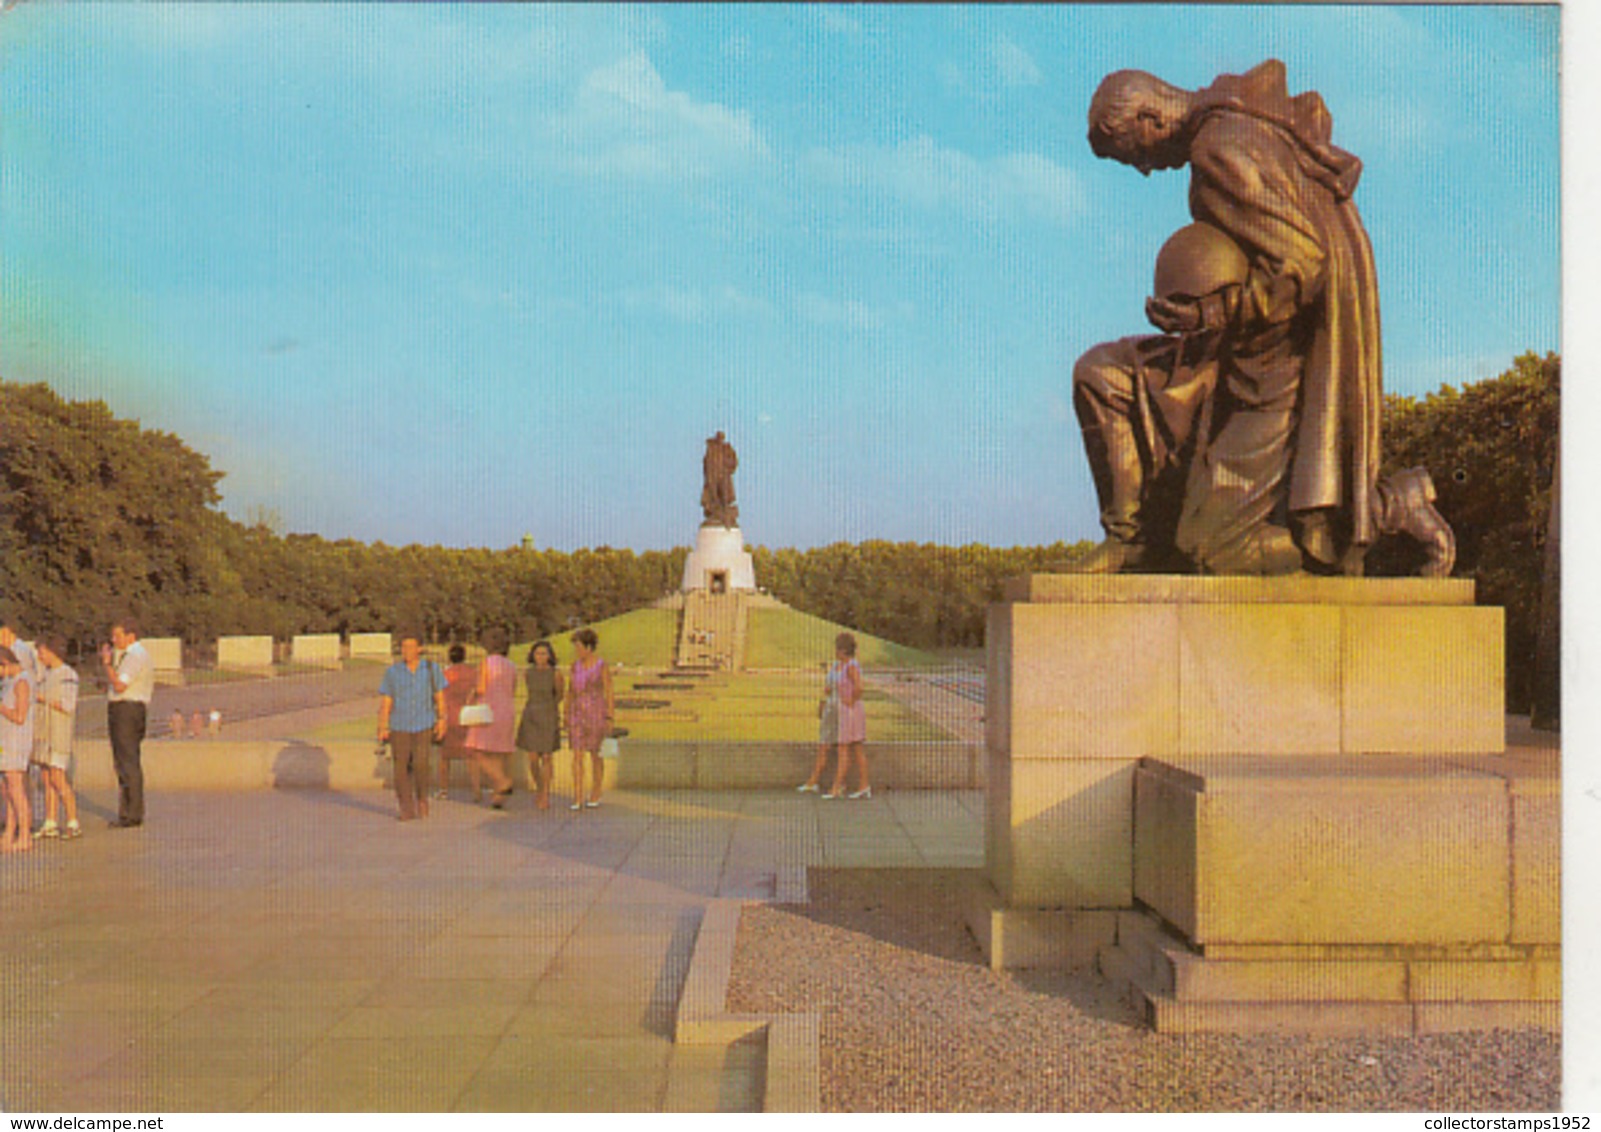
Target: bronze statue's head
1138	119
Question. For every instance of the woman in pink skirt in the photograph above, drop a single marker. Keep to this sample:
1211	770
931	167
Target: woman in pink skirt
589	714
490	744
846	680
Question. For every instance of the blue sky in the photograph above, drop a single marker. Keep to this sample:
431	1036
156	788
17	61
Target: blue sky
453	274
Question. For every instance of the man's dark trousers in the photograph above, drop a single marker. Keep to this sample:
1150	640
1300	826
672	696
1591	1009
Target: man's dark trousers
125	720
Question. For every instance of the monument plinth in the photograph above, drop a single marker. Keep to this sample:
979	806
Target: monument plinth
1213	787
719	563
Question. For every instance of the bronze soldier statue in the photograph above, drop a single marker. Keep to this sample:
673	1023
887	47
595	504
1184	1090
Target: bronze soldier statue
717	493
1244	439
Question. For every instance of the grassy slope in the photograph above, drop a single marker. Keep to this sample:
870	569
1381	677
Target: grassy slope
640	638
788	638
731	707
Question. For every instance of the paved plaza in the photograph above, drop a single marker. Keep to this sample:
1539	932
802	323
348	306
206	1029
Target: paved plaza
302	950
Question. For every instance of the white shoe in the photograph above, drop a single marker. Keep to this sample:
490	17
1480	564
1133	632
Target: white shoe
73	830
831	797
576	806
48	829
864	792
807	789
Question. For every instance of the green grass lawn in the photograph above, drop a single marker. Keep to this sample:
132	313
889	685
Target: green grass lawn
768	707
640	638
788	638
735	708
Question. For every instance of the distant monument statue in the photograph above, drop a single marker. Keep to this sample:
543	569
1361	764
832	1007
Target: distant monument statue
717	468
1244	438
719	562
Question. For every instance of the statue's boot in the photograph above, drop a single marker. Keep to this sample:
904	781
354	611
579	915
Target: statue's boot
1405	505
1119	481
1114	556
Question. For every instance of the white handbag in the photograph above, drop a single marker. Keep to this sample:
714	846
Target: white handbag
476	715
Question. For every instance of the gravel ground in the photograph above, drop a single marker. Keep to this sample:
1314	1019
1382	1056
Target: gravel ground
913	1021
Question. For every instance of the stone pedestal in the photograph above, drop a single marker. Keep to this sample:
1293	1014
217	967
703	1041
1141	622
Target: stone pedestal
719	563
1266	771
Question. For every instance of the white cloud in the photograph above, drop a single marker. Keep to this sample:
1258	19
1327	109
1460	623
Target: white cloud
833	19
920	172
624	121
850	313
694	304
1015	66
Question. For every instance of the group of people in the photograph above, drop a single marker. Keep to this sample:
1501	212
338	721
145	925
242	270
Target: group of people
38	712
421	704
469	710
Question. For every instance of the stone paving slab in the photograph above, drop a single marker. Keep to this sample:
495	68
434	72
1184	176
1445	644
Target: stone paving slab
304	951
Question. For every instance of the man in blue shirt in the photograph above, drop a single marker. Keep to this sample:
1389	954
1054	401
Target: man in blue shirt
411	714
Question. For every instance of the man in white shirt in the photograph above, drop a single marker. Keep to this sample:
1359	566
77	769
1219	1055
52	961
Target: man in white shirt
131	680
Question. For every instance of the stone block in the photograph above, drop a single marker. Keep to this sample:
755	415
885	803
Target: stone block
753	766
166	653
1062	835
1181	589
1330	1019
1308	980
1530	980
315	648
1166	837
1423	680
794	1071
657	765
1259	679
1537	855
371	646
1018	938
1084	681
1330	850
244	652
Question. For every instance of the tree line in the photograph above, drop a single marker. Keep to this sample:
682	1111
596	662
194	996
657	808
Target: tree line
100	517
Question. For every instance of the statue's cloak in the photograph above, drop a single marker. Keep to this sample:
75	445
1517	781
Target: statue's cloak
1264	171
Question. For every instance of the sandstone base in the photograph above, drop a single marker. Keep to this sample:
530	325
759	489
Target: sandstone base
1287	800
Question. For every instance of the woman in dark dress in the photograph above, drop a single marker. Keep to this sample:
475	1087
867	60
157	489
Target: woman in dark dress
539	733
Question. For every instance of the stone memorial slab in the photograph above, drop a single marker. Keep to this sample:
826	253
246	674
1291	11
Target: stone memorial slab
244	652
315	648
371	646
166	653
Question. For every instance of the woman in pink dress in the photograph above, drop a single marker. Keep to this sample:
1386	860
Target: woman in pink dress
846	678
589	715
490	744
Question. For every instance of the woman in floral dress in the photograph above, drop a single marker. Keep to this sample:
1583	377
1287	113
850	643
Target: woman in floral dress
589	715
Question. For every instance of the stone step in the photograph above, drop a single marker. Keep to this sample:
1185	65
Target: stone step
1177	990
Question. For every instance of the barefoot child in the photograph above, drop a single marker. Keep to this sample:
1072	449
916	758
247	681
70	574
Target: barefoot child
58	694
